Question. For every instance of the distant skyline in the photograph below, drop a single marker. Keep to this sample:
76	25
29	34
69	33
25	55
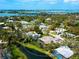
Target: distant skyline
39	4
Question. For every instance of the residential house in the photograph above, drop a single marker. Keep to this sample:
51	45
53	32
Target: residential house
60	30
24	22
62	25
52	33
11	19
43	28
33	35
27	26
69	34
48	39
1	42
63	52
1	23
76	36
48	20
58	39
6	27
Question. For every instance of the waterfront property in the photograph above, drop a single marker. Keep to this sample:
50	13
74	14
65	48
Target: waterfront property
48	40
40	34
62	52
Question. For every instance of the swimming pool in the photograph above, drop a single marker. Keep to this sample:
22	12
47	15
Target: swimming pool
57	55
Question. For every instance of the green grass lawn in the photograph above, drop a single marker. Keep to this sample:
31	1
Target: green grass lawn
17	54
35	48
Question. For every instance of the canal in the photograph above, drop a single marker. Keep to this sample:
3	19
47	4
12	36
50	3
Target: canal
16	14
32	54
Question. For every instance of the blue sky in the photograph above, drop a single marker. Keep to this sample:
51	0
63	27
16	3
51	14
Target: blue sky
39	4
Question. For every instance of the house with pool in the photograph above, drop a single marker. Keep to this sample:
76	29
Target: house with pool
45	40
63	52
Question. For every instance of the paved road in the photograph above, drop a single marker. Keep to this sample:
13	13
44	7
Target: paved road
1	53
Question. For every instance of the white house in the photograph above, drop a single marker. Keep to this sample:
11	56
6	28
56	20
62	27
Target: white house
1	23
24	22
36	36
58	39
60	30
52	33
48	19
2	42
42	26
69	34
48	39
6	27
33	35
62	52
76	36
10	20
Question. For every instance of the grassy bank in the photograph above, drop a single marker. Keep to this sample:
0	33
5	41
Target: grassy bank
17	54
31	46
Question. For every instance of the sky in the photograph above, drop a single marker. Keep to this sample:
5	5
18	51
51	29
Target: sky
39	4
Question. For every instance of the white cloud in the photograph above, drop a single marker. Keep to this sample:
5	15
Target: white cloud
26	0
72	1
50	1
3	1
45	1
